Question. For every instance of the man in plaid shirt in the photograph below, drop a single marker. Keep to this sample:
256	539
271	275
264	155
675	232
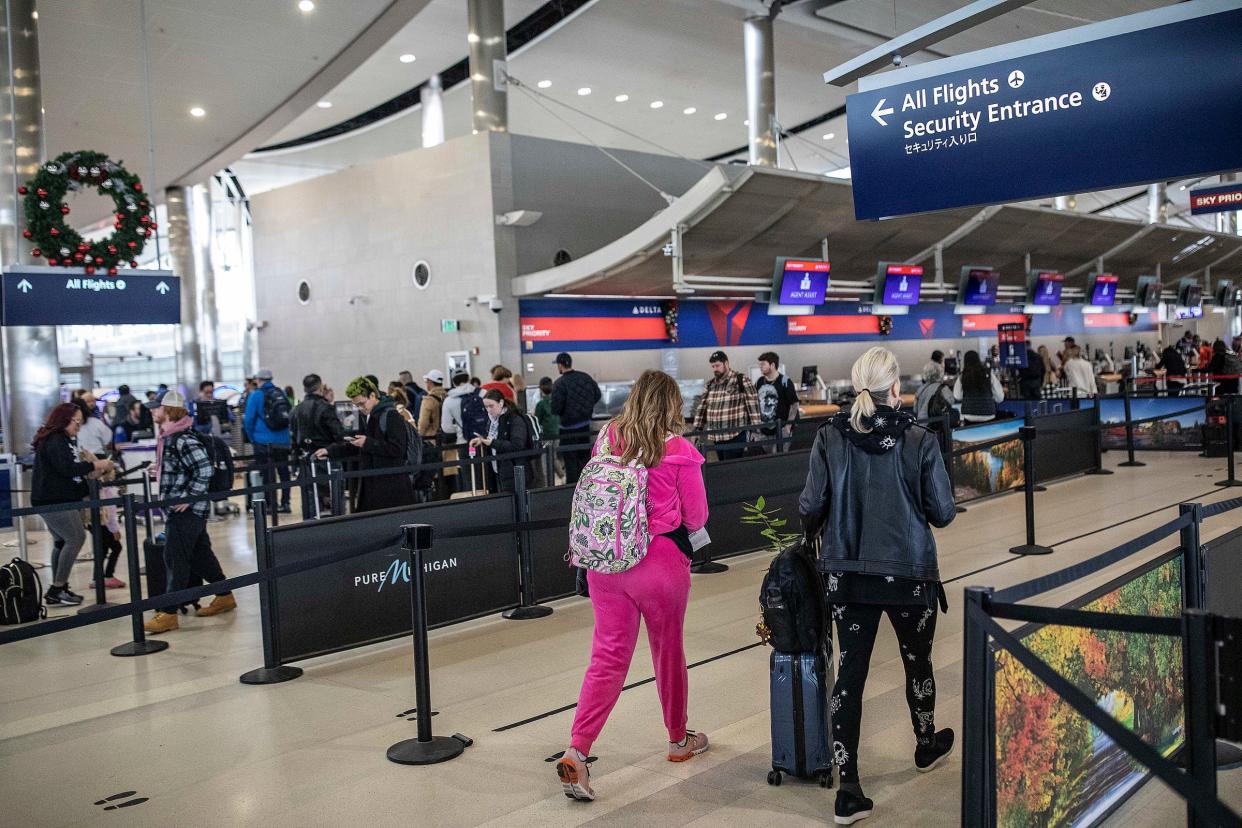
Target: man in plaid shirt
183	469
729	402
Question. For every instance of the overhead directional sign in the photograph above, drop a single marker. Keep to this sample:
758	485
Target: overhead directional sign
67	296
1216	199
1150	97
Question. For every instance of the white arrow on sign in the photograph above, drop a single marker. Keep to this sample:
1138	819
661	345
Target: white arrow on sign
162	287
877	112
24	286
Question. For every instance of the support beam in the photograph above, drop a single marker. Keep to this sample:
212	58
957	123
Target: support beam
1098	261
489	85
179	202
969	226
1157	210
759	56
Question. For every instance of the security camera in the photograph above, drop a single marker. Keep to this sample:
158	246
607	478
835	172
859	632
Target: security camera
496	305
469	302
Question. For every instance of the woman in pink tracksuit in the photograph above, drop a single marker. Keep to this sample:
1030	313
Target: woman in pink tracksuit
655	590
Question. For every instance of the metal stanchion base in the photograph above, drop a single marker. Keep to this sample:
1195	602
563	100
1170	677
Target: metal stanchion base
961	510
439	749
1098	471
1131	464
1031	549
708	568
271	675
139	648
1229	482
93	607
1228	755
527	613
1039	488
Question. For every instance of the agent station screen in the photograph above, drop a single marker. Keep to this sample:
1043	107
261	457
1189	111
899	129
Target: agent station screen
1104	290
800	282
898	284
1046	287
978	286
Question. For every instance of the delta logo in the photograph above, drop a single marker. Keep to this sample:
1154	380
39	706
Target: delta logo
927	327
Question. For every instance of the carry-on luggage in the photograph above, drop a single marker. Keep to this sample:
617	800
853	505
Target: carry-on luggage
477	471
157	573
801	686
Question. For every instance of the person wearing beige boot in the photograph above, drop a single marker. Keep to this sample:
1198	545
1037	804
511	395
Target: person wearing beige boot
183	469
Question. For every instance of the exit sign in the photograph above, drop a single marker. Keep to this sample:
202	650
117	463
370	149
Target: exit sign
450	325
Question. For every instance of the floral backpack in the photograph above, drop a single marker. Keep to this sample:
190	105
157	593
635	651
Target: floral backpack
608	519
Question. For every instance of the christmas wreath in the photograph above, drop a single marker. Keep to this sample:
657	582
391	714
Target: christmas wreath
671	310
46	211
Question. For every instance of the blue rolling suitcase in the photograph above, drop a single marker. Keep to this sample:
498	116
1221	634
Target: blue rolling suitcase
801	685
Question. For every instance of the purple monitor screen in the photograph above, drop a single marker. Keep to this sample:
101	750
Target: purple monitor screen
1104	290
978	286
801	282
901	284
1047	288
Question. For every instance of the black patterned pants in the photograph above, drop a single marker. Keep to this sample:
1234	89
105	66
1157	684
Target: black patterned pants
856	628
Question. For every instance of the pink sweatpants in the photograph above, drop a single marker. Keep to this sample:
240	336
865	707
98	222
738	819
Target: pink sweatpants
657	591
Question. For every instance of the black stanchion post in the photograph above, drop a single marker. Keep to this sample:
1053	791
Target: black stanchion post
97	565
529	609
147	520
549	462
306	477
272	671
1231	480
975	729
1129	462
1028	489
1099	439
336	486
426	749
1199	693
707	566
140	645
946	427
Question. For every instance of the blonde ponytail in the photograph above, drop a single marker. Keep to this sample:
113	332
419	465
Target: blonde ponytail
874	375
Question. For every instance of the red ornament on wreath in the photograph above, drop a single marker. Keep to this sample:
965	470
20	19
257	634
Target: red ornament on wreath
72	172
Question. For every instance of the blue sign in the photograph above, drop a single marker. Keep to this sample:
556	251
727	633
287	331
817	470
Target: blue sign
1216	199
67	296
1011	337
1150	104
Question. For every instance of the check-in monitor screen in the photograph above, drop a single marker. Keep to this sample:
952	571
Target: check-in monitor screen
978	286
800	282
898	284
1104	290
1046	287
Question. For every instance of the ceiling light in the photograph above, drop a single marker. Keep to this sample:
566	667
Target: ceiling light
197	111
689	110
586	90
306	6
621	98
746	122
828	136
1182	187
720	116
657	104
544	84
407	58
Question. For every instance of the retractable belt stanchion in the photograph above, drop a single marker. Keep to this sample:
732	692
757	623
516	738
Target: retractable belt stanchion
306	479
1231	480
101	597
336	487
147	520
707	566
1099	440
976	741
426	749
140	645
1199	695
1129	462
521	513
272	671
1028	489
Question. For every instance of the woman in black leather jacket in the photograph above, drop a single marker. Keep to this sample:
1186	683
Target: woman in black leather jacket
876	486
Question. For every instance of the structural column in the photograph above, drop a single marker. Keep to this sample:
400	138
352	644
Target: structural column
432	98
760	59
1227	221
1157	212
489	88
179	202
31	365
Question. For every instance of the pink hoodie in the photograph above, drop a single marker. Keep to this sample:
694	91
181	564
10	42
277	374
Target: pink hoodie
675	492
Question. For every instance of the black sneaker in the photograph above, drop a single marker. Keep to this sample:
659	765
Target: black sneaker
285	510
851	808
61	596
927	757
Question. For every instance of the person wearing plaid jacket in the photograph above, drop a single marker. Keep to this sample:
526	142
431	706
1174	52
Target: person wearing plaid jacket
729	401
183	469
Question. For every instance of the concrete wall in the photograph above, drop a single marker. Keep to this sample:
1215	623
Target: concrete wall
357	234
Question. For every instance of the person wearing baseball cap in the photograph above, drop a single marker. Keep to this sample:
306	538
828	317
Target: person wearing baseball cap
267	423
430	415
729	402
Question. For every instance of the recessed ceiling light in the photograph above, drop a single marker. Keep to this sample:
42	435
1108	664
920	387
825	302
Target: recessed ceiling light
720	116
657	104
828	136
407	58
197	111
1182	187
622	98
306	6
544	84
324	104
585	90
689	110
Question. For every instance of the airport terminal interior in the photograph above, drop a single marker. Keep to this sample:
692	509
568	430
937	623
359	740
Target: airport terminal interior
621	412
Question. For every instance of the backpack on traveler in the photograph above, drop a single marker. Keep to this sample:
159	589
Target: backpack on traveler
276	409
939	405
413	443
608	519
474	419
21	593
220	455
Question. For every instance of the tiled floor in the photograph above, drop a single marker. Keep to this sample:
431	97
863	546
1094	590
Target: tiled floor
78	726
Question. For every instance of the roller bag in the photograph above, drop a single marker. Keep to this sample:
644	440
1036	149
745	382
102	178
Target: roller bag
157	572
801	684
